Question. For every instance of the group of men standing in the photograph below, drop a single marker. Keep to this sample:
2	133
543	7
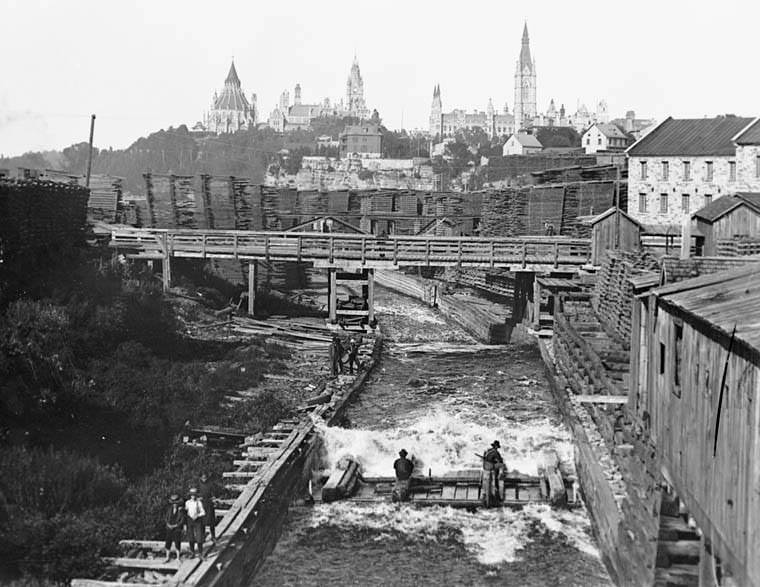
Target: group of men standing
193	515
337	351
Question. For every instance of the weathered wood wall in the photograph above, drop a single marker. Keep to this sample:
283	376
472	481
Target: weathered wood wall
739	221
722	492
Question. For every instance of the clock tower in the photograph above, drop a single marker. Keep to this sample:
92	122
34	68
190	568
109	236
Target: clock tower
525	85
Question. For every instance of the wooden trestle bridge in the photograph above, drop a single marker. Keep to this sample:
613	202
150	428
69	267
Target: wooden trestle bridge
356	255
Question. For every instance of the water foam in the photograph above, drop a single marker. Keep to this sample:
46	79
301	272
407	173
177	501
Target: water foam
442	441
492	536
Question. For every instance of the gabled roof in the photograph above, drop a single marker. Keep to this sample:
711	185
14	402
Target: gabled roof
726	204
750	135
527	140
719	302
609	130
691	137
599	217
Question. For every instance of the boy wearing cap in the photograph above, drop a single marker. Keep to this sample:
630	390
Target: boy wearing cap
195	517
404	468
174	519
493	463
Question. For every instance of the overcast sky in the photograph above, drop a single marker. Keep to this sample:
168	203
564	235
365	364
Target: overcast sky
145	65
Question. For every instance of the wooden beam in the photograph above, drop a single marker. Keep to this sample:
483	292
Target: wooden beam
154	564
253	269
601	399
332	292
371	294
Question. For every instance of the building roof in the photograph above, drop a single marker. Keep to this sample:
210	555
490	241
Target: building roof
725	204
599	217
525	59
527	140
232	97
609	130
750	135
362	129
718	303
303	109
691	137
232	76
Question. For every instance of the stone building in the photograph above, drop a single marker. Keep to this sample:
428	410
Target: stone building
447	124
525	85
230	110
364	140
355	104
682	164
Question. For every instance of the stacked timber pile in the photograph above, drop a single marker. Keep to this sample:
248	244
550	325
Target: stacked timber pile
247	204
614	292
738	246
311	203
188	209
218	201
105	201
159	191
35	215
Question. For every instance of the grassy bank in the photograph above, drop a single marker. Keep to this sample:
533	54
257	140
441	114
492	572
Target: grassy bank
95	375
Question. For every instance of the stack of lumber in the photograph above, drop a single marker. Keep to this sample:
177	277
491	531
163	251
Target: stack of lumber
188	209
247	204
104	202
738	246
35	215
158	189
614	293
219	202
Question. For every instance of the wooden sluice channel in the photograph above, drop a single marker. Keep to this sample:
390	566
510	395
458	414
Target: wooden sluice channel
268	472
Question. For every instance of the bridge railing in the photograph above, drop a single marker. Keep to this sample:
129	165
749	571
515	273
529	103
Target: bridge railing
329	247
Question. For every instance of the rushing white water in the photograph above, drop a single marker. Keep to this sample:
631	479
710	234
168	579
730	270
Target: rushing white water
442	440
444	398
492	536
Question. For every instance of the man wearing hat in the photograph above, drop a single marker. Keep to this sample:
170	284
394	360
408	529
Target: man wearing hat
493	463
195	517
403	468
174	519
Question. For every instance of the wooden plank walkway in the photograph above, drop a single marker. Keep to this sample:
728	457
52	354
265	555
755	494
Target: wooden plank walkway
348	250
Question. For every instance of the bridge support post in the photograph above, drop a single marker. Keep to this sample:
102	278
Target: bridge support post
536	303
332	295
253	278
167	272
371	295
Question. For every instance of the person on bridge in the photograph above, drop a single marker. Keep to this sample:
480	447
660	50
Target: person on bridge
206	491
174	520
548	229
403	468
195	515
336	356
493	464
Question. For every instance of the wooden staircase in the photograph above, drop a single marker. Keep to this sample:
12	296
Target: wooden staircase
678	553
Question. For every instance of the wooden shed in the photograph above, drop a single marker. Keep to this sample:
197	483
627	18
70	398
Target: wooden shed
605	229
727	218
695	369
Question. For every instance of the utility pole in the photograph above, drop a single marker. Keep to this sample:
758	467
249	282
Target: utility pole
617	206
89	156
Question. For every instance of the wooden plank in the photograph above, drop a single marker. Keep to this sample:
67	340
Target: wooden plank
601	399
154	564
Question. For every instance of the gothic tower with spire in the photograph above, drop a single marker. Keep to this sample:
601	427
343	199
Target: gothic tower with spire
436	110
525	85
355	103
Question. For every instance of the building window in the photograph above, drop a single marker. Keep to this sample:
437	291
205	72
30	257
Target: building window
665	170
732	171
757	166
708	199
662	359
588	140
642	203
598	140
686	170
677	355
643	170
709	170
663	203
685	203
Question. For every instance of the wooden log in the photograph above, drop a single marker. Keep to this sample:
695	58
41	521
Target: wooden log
555	485
239	474
342	482
154	564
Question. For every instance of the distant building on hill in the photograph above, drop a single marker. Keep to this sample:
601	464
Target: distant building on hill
604	137
447	124
230	110
521	144
363	140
